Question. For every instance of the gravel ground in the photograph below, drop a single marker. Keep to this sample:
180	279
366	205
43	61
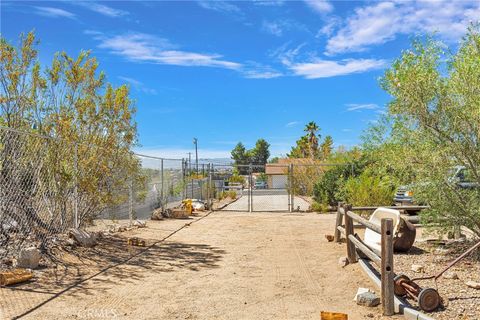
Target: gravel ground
227	265
461	301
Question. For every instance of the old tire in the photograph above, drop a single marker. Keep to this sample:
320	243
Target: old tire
405	237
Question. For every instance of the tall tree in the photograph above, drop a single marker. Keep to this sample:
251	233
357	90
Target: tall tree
301	148
311	129
240	157
326	147
261	152
239	154
435	110
91	128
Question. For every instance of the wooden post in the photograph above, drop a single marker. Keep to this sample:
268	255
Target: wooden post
338	222
351	254
387	275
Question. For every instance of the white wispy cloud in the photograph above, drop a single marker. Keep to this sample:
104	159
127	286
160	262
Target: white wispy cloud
272	27
221	6
102	9
280	26
291	124
54	12
141	47
255	70
380	22
138	85
276	3
320	6
319	68
365	106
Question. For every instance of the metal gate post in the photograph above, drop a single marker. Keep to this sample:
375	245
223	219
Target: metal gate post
290	207
250	191
162	202
292	192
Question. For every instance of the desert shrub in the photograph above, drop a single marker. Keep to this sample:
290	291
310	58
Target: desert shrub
319	207
237	179
369	189
435	113
232	194
328	189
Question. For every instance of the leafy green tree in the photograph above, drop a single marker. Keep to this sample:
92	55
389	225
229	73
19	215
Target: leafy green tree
435	112
70	102
260	153
326	147
301	148
241	158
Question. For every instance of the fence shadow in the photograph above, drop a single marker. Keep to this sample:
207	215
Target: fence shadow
93	271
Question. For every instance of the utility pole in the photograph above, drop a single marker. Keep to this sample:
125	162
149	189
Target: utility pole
190	163
195	142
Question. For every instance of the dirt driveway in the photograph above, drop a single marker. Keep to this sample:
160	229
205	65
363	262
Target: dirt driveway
224	266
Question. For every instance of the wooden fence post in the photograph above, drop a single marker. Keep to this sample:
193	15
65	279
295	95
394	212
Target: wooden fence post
338	222
388	305
351	254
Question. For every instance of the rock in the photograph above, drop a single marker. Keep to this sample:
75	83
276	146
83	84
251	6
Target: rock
140	223
442	251
368	299
450	275
343	261
83	238
198	206
28	258
417	268
473	284
329	237
360	291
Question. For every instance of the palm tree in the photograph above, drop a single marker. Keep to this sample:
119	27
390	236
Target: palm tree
311	129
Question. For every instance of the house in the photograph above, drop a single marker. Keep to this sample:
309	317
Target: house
277	173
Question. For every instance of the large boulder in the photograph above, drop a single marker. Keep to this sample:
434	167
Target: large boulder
84	238
368	299
28	258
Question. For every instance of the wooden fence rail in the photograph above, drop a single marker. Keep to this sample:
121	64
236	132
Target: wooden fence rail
383	259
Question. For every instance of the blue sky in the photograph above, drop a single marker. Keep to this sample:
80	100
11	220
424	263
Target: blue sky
227	71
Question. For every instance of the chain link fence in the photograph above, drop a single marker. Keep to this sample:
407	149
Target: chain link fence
49	185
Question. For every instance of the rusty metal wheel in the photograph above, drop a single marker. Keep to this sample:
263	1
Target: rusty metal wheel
399	290
429	299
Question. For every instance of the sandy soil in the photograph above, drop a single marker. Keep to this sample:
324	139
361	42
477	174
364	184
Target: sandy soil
225	265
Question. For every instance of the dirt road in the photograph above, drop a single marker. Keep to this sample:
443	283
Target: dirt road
224	266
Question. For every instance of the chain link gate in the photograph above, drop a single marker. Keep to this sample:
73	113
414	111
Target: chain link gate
254	188
279	187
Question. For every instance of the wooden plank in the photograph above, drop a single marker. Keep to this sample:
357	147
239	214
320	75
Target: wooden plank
351	254
324	315
341	229
338	222
15	276
392	207
365	222
366	250
388	304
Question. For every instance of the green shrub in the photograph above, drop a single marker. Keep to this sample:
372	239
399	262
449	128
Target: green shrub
319	207
237	179
232	194
369	189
